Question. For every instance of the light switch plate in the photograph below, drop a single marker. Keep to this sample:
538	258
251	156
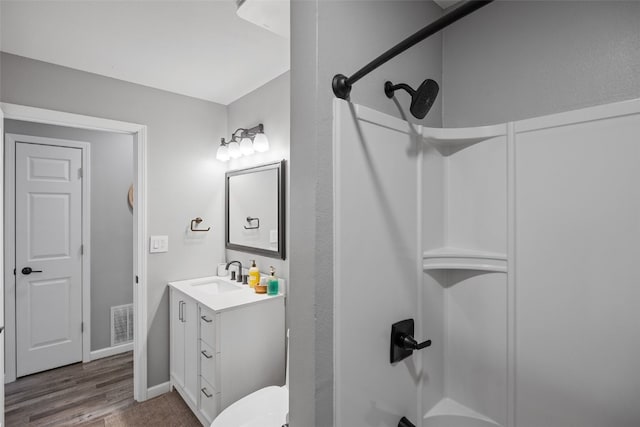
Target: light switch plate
158	244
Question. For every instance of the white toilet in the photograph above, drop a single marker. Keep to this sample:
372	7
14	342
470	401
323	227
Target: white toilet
267	407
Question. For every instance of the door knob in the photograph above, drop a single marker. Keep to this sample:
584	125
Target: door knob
29	270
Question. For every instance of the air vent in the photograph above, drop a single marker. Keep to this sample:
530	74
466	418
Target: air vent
121	324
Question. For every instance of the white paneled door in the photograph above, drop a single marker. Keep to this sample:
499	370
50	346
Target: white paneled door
48	216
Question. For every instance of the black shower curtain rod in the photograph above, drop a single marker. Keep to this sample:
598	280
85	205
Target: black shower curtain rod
342	84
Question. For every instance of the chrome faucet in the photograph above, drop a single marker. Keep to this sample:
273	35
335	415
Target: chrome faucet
239	278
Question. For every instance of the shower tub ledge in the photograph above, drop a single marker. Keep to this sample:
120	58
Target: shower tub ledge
449	413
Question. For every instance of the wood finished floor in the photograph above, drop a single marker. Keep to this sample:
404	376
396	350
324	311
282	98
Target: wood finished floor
94	394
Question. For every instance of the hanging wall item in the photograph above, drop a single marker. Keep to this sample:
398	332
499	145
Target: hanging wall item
130	196
197	221
255	210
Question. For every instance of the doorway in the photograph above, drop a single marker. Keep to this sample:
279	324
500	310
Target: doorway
138	278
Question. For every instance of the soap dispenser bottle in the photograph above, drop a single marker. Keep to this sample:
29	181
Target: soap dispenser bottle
272	286
254	275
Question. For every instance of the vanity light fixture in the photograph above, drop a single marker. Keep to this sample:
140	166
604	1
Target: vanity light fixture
234	149
246	143
223	152
246	146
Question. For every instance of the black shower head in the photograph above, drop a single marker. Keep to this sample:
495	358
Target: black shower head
421	99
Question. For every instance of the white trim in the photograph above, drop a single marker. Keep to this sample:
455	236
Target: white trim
110	351
9	278
40	115
462	137
140	268
337	231
158	390
2	314
377	118
573	117
511	276
420	328
60	118
85	147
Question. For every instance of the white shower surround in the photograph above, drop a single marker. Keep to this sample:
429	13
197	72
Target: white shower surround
514	248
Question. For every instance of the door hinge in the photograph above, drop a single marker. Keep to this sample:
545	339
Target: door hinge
81	326
80	173
136	278
14	271
82	249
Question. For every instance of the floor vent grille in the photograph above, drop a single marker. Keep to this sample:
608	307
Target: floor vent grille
121	324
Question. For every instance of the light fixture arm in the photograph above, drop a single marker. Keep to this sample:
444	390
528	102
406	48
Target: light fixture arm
246	133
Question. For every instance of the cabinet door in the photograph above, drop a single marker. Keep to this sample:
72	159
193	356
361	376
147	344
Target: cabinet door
177	337
191	349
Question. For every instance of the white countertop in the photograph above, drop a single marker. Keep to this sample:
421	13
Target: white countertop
225	300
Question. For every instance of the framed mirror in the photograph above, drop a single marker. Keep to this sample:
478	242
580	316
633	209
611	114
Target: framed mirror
255	210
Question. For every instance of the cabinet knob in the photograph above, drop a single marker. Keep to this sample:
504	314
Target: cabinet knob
206	319
205	354
205	392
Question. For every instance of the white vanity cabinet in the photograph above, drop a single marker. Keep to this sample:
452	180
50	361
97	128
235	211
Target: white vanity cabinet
228	345
184	341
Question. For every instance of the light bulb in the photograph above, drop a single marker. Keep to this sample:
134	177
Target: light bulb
246	146
223	153
234	150
261	143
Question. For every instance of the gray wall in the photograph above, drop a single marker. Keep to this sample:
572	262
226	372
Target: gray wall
514	60
329	37
182	171
111	218
269	105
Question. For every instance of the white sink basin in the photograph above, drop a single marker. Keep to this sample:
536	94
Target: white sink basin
216	287
219	293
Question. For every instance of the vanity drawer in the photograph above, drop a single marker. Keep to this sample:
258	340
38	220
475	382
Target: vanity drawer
209	364
209	400
208	327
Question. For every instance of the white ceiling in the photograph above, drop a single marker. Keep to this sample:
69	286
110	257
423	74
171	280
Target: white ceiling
196	48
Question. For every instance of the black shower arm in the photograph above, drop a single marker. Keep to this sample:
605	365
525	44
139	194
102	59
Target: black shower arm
342	84
390	88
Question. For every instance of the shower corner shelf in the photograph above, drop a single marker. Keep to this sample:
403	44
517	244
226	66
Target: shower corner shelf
462	137
456	414
464	259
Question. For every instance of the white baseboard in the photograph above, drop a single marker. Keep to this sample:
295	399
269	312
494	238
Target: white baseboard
159	389
110	351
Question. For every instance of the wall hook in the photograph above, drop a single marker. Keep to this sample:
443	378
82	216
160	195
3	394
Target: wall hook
197	220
